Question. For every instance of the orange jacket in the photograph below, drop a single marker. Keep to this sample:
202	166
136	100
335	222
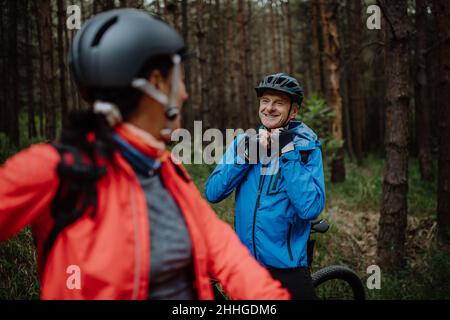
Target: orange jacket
112	250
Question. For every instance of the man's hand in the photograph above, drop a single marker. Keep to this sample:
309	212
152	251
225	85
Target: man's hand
285	140
247	149
251	146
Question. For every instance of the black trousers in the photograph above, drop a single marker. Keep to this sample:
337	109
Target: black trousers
297	280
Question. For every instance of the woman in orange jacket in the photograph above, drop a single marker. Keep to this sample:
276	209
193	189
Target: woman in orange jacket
113	216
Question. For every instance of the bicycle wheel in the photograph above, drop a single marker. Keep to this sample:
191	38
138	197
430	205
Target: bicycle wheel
338	282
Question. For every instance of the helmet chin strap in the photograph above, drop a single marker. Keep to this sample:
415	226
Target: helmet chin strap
286	122
170	103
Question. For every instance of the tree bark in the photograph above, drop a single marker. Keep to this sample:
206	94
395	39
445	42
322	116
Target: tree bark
131	3
234	117
29	71
273	45
316	49
356	83
345	80
290	39
441	9
45	26
328	14
221	71
243	71
422	105
13	105
392	230
3	89
203	61
62	64
42	95
187	111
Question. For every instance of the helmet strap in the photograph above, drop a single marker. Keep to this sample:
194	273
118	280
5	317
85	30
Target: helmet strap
109	110
286	122
170	106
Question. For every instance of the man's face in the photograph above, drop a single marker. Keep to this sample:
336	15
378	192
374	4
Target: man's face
274	109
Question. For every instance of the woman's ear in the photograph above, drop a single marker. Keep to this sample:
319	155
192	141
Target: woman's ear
155	78
159	81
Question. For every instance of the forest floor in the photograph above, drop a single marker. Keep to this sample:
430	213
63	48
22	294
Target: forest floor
353	211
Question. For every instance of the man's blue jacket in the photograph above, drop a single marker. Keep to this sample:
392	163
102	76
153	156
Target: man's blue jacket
274	209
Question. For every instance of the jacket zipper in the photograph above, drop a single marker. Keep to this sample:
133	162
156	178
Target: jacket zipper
260	186
289	242
137	267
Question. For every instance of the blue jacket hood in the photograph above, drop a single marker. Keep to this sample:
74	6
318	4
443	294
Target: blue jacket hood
304	137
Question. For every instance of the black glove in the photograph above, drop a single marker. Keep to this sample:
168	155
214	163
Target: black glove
247	153
286	141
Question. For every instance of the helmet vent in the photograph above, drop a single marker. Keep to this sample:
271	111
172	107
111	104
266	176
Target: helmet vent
291	84
102	30
280	80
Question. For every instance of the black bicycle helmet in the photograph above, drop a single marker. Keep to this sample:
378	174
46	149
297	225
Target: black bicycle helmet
281	82
111	48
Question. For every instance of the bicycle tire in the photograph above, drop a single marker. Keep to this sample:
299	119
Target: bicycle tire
340	273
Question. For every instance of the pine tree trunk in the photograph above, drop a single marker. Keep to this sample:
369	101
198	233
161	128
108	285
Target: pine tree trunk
44	18
203	61
316	49
290	38
71	88
441	10
243	71
328	14
62	65
422	105
187	111
131	3
42	95
356	83
392	230
347	108
273	45
29	71
234	118
249	58
2	71
221	71
13	105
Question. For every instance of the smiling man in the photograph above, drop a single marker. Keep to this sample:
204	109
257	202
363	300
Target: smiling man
275	199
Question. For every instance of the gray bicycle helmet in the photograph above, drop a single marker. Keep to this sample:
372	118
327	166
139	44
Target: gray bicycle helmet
111	48
281	82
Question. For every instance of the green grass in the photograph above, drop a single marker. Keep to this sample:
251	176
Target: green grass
432	282
18	274
362	189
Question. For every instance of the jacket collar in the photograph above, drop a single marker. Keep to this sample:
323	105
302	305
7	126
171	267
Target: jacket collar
142	141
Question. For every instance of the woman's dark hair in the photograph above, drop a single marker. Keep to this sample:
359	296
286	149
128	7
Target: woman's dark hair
77	193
